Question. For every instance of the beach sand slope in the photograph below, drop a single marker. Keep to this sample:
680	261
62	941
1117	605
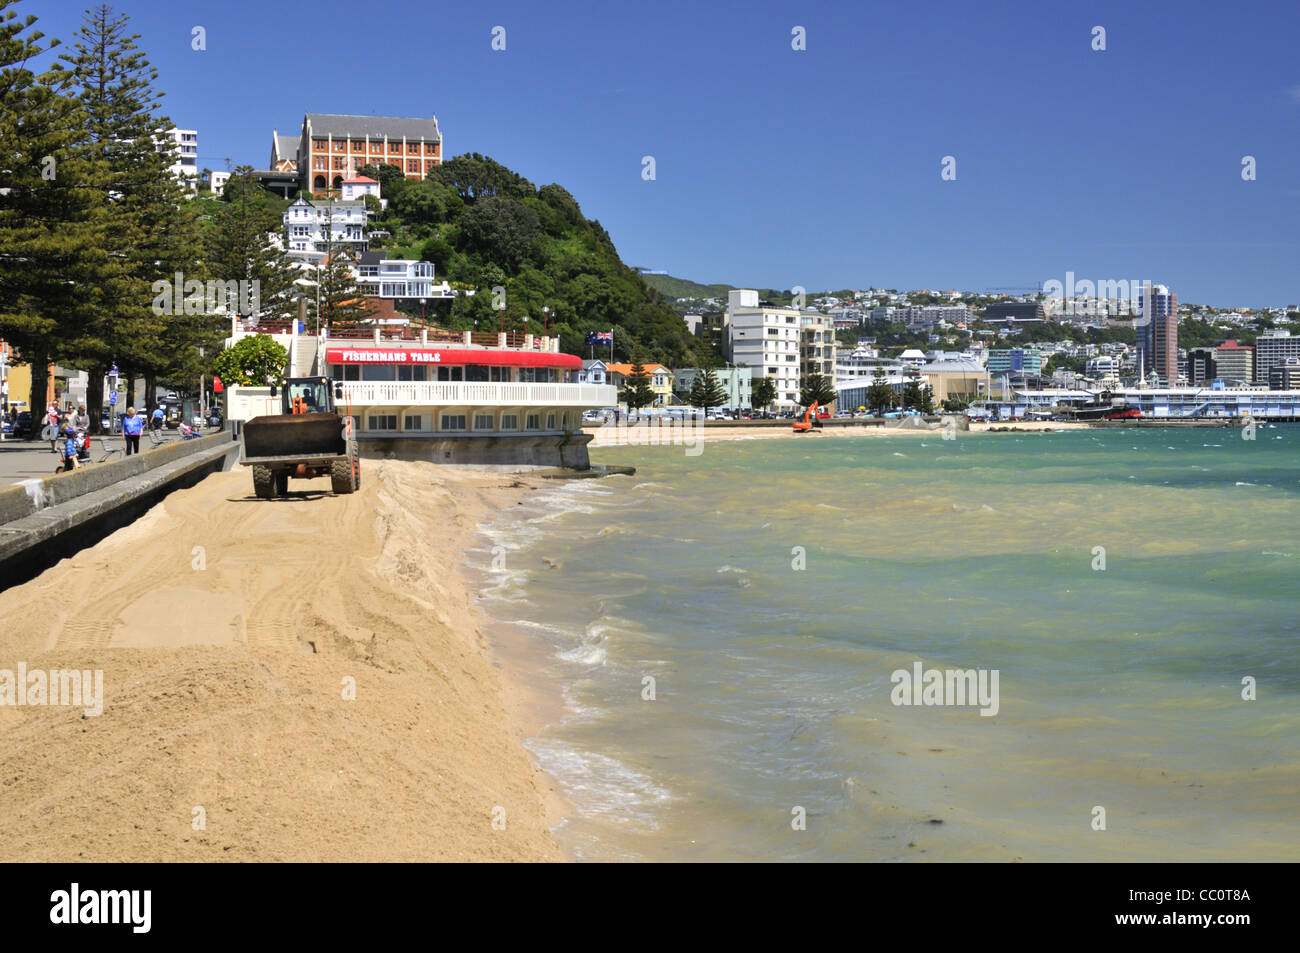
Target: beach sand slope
230	632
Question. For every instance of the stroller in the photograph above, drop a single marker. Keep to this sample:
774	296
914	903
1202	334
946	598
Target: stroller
189	433
81	454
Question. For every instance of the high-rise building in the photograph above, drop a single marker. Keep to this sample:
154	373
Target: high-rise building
768	340
1157	335
1234	362
1272	348
186	166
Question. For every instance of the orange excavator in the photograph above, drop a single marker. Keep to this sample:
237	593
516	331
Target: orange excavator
809	421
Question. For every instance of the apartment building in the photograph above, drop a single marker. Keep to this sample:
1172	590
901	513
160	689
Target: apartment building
768	340
736	381
1272	348
817	346
1015	361
333	148
186	166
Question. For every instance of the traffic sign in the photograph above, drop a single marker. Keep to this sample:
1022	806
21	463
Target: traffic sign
112	397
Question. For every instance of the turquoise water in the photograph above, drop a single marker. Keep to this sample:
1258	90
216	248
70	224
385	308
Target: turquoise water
1119	688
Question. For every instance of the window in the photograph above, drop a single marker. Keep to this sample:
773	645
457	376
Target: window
482	421
412	165
379	372
533	422
476	372
500	374
383	422
453	422
509	421
450	373
550	421
358	145
430	149
320	145
413	422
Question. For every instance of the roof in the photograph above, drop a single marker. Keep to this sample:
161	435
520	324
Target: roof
377	127
1233	346
361	178
286	146
626	369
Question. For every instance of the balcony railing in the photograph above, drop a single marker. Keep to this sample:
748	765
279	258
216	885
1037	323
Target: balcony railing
428	393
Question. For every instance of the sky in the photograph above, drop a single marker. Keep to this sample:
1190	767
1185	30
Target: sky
821	167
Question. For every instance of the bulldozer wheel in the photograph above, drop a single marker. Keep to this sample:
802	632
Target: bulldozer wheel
282	483
264	482
341	475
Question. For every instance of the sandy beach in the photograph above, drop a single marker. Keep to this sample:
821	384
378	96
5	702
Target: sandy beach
609	436
230	633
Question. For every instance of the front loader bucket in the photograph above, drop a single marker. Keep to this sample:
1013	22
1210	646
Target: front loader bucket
289	435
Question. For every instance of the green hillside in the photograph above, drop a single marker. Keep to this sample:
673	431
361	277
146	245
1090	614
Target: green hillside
674	288
485	226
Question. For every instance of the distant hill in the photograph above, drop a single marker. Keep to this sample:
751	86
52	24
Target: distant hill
671	287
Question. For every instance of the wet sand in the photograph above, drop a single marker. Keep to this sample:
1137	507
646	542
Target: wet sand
229	631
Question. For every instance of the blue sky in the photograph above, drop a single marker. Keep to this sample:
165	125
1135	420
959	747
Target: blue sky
818	168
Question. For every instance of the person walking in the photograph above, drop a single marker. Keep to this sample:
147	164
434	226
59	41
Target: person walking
52	426
132	427
81	420
157	421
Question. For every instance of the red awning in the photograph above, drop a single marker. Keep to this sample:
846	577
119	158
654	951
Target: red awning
412	356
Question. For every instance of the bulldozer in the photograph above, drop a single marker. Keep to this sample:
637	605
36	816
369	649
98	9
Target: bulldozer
309	438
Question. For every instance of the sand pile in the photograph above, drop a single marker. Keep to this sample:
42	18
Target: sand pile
230	631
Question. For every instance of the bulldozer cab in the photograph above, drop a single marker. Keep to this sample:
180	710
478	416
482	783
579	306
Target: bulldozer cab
306	395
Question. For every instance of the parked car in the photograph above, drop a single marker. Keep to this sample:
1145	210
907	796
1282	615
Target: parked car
24	424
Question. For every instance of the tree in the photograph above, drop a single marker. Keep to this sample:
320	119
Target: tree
154	235
913	396
54	263
763	394
707	391
256	359
475	176
240	247
880	395
500	230
637	393
816	389
341	302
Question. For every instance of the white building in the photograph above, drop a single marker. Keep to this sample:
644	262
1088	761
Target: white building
186	166
355	189
398	278
767	339
311	228
217	182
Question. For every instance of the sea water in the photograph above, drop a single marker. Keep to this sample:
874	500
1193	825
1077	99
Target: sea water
724	633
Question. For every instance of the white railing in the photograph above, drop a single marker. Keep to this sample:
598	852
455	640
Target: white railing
427	393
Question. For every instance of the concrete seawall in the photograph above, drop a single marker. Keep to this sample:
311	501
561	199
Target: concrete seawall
47	519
